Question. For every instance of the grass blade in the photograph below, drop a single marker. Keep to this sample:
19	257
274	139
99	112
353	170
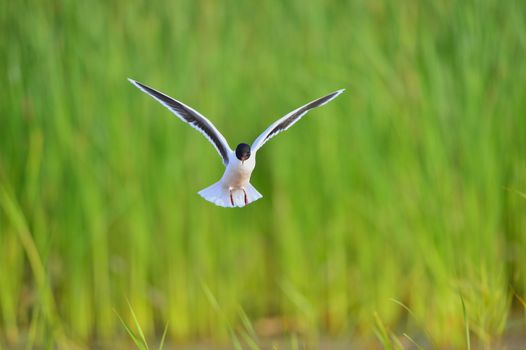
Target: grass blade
161	344
466	324
138	326
138	342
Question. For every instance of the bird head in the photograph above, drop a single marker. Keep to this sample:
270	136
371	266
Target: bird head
243	152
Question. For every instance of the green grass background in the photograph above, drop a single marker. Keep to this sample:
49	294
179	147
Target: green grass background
410	186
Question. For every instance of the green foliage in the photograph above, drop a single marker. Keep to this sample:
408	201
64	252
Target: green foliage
139	339
409	186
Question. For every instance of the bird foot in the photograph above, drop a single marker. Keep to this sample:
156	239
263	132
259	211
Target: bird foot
232	197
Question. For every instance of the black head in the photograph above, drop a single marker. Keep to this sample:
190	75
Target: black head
243	152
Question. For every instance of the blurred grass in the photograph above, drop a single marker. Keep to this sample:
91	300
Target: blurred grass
407	187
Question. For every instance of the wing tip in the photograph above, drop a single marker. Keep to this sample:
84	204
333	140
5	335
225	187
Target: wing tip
135	82
140	86
332	96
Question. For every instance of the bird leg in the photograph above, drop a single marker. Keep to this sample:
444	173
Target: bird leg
231	198
246	197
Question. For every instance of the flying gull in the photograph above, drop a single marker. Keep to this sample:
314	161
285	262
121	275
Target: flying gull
234	188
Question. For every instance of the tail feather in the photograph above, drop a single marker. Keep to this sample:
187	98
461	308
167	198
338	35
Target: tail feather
220	195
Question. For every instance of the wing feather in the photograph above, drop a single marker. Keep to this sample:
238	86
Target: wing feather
290	119
192	117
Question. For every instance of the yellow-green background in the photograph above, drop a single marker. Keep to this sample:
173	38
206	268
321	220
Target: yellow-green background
410	187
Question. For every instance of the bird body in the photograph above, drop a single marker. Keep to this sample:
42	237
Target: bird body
237	173
234	188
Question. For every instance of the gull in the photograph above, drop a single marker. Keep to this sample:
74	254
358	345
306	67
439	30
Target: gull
234	188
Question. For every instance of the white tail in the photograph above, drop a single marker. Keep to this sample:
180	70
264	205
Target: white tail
219	194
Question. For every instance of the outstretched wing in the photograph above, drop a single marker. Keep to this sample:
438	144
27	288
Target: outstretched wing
291	118
192	117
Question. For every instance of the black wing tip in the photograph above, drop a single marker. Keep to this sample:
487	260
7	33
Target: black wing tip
326	99
336	93
136	83
147	89
323	100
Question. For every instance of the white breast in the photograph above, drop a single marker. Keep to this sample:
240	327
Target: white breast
237	174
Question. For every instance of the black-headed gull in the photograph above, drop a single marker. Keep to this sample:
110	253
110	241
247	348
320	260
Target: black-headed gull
234	188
